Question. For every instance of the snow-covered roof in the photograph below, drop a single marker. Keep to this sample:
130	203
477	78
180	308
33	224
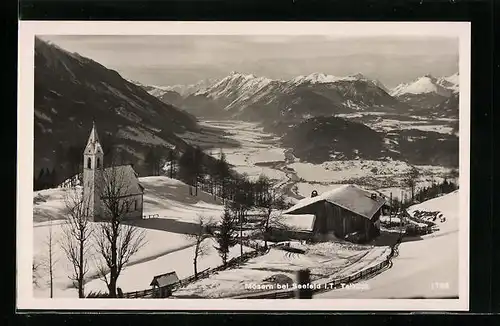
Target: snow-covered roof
164	279
302	222
125	176
349	197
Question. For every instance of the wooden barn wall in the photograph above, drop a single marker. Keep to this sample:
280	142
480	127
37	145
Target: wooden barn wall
332	218
342	222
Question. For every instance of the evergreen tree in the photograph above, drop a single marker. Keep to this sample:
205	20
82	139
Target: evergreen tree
172	159
222	174
153	162
225	236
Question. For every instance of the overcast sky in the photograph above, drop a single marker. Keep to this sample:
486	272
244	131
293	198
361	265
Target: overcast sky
170	60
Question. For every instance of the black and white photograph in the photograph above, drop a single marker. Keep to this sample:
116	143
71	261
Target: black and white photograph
167	164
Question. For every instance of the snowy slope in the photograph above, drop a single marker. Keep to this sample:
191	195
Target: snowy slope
450	82
235	83
155	246
189	89
424	268
165	197
138	277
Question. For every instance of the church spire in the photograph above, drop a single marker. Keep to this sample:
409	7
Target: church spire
93	144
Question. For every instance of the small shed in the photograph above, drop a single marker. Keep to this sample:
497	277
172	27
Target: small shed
162	284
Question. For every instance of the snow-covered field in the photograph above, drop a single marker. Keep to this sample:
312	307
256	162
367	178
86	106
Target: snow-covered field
167	198
170	199
138	277
158	243
424	268
326	260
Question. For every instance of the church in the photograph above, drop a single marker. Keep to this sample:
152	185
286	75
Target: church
97	182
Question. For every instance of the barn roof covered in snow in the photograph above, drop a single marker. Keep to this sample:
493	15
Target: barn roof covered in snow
349	197
164	279
302	222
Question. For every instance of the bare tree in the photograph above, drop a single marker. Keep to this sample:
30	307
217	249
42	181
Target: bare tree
115	240
51	260
200	248
272	203
411	180
76	237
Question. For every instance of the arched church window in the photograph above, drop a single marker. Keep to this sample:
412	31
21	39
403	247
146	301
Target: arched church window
89	163
135	205
98	163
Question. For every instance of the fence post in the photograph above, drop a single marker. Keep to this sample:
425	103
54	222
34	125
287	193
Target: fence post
303	280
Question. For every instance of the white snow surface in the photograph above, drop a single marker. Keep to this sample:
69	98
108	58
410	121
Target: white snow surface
156	245
325	260
302	222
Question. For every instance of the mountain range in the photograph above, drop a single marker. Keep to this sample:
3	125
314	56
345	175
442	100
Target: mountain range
71	91
304	109
248	97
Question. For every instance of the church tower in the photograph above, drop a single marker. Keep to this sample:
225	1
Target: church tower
92	173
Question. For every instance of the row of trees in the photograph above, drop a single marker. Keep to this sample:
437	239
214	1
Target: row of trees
197	169
435	190
45	179
109	244
269	201
421	194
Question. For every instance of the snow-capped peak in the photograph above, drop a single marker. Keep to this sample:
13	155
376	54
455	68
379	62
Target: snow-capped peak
423	85
236	83
358	76
451	82
317	78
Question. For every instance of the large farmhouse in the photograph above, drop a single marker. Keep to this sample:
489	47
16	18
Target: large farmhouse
343	211
100	184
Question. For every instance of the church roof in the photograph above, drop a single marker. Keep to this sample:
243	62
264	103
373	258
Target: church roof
127	178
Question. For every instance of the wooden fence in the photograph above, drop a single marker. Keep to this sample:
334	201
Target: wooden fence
156	293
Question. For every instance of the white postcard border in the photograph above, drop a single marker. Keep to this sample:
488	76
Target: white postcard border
24	231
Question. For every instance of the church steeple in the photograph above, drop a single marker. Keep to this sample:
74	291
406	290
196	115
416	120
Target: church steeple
92	171
93	154
93	144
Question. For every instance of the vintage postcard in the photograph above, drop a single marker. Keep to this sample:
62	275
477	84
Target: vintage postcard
163	165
